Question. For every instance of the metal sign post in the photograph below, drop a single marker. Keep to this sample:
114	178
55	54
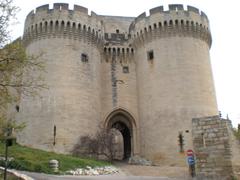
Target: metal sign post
6	161
8	142
191	162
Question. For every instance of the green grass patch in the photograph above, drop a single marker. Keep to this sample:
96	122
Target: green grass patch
35	160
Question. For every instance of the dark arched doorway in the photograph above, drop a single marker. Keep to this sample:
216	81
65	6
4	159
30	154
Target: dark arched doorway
125	131
124	125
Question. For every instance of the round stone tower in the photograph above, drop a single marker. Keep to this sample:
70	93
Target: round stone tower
174	79
69	43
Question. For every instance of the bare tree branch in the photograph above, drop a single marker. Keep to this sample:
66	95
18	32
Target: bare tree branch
102	144
20	74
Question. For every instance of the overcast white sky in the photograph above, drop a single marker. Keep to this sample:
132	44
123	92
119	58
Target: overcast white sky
225	28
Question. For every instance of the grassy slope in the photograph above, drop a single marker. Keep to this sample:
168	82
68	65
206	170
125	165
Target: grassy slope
37	160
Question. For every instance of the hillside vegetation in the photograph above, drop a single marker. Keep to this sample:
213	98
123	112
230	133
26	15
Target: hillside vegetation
34	160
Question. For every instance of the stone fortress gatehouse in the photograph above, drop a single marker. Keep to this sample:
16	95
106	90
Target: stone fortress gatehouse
146	76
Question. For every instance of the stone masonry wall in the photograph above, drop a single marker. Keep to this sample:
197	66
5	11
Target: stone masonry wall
212	141
158	95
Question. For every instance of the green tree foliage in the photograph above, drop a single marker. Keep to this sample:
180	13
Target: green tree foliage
16	73
9	128
19	72
7	14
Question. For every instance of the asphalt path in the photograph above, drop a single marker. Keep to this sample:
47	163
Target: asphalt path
39	176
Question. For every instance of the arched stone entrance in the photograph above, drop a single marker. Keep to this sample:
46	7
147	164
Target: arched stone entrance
124	123
126	134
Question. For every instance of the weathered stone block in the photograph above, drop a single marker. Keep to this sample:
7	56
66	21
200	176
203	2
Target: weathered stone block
216	161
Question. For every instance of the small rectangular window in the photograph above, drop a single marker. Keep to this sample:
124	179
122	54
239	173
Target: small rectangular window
181	142
125	69
150	55
17	108
84	57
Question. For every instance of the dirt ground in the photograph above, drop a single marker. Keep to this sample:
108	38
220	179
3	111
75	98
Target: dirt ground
162	171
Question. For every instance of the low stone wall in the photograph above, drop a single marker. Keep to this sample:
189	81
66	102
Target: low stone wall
215	148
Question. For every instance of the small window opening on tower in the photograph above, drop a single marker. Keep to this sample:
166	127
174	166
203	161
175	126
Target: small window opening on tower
54	135
181	142
125	69
84	57
203	140
17	108
117	31
150	55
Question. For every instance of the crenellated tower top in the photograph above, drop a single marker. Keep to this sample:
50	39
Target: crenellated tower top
60	21
59	10
176	20
63	22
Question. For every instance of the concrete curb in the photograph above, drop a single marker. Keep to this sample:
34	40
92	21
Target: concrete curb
15	173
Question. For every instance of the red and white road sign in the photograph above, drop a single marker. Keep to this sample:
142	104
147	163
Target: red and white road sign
190	152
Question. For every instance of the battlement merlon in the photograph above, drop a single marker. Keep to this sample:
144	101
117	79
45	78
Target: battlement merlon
81	9
62	12
173	8
176	8
63	7
174	12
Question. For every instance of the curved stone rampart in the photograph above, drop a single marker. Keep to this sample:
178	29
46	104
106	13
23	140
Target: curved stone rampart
61	22
174	22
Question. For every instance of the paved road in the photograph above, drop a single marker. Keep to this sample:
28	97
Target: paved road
37	176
